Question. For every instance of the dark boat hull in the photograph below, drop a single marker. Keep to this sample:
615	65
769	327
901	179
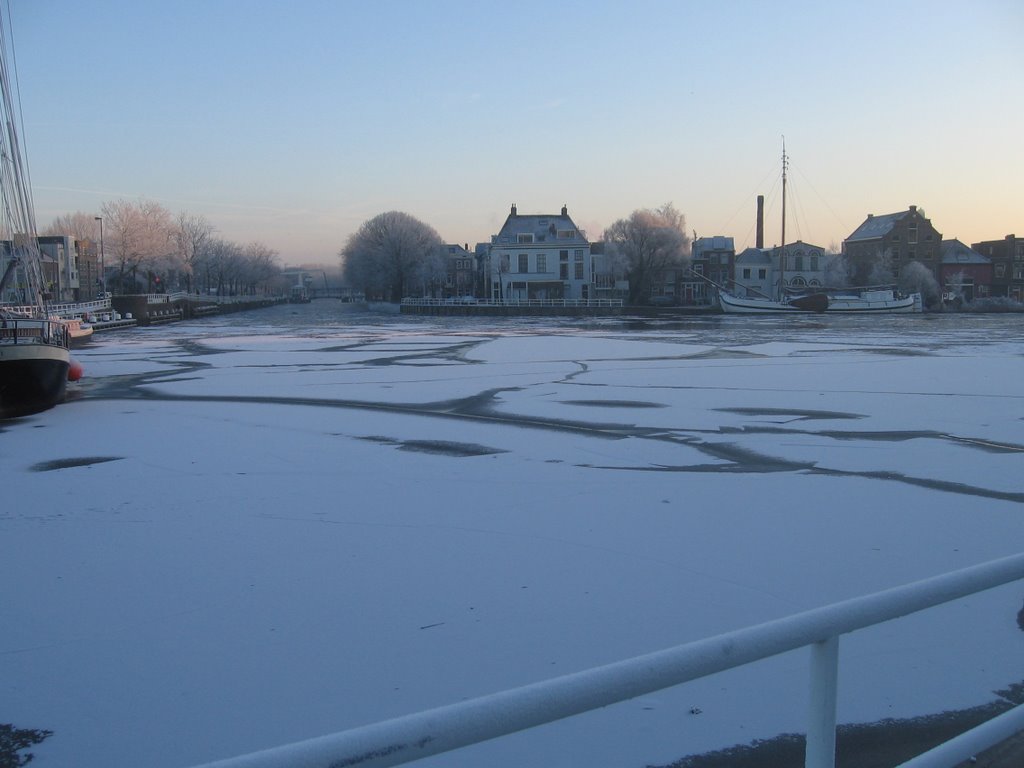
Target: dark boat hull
33	378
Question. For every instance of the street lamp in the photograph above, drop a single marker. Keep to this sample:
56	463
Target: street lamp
103	270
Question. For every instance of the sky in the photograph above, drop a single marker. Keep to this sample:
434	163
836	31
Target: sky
269	526
291	124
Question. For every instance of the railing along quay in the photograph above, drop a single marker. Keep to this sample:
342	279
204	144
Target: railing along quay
470	302
413	737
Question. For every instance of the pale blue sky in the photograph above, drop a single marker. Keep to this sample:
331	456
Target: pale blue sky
291	123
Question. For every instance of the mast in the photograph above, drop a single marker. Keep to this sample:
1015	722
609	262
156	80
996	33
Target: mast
782	248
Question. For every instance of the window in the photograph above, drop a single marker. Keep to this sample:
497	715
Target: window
762	274
814	262
524	262
912	234
746	273
799	266
579	269
525	237
563	255
542	262
563	270
1000	271
566	234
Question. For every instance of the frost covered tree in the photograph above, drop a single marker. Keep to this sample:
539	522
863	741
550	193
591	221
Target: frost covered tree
390	254
140	237
192	235
915	277
647	243
81	226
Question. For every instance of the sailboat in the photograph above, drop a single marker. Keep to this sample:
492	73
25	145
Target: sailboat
869	300
34	348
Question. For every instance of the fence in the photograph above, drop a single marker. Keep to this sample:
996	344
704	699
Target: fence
472	302
409	738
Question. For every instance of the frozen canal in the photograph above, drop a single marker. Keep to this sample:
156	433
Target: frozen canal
261	528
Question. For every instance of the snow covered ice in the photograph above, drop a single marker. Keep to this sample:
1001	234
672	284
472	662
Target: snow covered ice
261	528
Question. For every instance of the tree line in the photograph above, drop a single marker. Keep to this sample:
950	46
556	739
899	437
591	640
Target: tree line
394	254
146	247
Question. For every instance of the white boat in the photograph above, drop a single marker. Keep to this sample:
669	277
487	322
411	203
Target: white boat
753	305
864	300
879	300
34	357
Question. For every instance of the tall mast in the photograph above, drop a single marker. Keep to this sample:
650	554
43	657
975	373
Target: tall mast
782	248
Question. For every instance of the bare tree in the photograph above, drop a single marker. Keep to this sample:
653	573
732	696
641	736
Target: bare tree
192	235
139	237
261	267
81	226
385	256
647	243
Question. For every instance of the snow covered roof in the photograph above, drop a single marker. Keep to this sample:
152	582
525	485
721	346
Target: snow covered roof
875	227
754	256
548	229
955	252
716	243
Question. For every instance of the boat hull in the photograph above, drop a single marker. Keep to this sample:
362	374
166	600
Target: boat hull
853	304
33	378
746	306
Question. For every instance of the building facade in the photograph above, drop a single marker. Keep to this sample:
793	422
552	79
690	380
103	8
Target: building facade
1007	257
713	264
883	245
460	272
965	275
538	256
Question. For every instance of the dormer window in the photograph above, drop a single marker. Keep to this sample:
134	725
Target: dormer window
525	237
566	234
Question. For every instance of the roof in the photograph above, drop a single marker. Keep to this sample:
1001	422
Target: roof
875	227
955	252
716	243
548	229
754	256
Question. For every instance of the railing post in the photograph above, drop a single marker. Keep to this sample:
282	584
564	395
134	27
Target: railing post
821	724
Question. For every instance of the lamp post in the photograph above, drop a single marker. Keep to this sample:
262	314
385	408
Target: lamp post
103	270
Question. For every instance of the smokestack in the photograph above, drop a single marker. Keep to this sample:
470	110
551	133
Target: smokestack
760	222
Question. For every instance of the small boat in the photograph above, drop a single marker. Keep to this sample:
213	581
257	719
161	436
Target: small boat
79	331
35	361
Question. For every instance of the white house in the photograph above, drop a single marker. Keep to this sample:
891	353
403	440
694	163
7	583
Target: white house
539	256
803	269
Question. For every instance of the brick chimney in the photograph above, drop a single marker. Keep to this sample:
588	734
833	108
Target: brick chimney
513	209
565	210
759	242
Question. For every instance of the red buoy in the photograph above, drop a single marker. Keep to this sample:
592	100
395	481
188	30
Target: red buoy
74	371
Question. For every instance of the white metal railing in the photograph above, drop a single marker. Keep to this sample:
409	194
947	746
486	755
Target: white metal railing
471	302
412	737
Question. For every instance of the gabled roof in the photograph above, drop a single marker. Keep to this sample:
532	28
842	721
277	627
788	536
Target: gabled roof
875	227
955	252
546	229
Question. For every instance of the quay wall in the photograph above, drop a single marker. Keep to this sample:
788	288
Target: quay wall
150	309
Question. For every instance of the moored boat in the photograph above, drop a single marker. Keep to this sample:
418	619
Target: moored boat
34	357
870	300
